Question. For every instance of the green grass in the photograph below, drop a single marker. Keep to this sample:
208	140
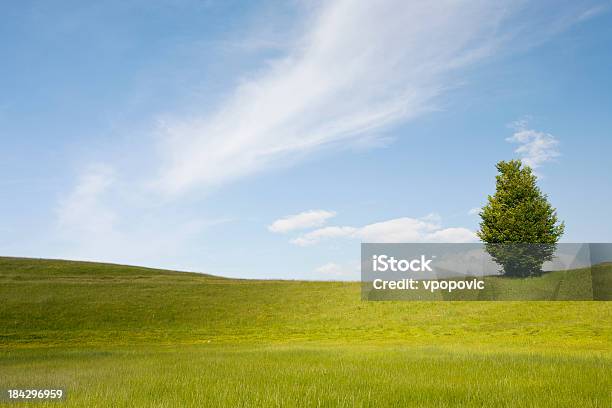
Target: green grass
127	336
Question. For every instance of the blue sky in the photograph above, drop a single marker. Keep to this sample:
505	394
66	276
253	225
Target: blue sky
268	139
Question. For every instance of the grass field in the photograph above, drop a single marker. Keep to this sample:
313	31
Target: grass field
126	336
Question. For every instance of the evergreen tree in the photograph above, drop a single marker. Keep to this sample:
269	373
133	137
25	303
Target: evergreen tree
519	226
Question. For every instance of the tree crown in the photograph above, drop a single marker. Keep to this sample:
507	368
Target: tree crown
518	211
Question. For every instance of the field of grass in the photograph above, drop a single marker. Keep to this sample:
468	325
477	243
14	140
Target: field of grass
126	336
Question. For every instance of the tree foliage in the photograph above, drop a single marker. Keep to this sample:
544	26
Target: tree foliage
519	226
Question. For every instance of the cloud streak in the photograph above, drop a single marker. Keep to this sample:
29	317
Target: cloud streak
361	67
82	211
95	222
474	211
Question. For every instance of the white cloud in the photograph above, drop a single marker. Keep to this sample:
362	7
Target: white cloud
536	148
306	219
338	271
82	211
426	229
474	211
99	221
335	269
317	235
455	234
593	12
361	66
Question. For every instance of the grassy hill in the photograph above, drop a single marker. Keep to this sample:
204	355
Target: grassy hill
127	336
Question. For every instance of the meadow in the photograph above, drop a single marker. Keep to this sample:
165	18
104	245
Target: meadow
125	336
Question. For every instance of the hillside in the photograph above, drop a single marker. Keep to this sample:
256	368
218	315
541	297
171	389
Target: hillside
48	302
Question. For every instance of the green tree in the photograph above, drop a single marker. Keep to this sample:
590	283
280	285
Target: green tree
519	226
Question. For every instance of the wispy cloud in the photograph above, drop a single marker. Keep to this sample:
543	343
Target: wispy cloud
83	211
405	229
361	67
594	11
536	148
335	270
97	221
474	211
303	220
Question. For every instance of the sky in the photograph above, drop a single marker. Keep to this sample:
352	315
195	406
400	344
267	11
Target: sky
268	139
